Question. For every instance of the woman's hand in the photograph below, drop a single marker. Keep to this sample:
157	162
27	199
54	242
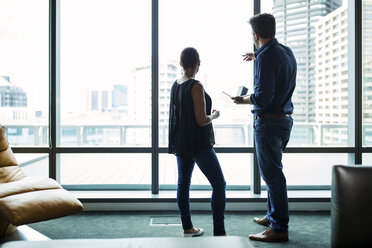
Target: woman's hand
215	114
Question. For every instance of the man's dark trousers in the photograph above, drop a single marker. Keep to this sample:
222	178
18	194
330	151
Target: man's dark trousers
271	138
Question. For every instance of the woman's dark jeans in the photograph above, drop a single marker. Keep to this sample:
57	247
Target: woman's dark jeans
209	165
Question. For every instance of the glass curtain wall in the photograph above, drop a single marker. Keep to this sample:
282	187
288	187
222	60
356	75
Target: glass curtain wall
105	68
107	54
24	85
105	90
367	72
317	32
221	37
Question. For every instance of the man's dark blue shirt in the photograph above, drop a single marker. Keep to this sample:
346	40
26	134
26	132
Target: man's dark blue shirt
274	79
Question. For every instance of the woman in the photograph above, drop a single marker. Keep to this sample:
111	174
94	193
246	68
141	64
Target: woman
191	139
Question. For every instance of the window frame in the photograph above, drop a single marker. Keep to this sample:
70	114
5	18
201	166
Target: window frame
355	117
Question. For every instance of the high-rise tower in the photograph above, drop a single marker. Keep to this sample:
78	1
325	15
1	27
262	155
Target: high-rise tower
295	21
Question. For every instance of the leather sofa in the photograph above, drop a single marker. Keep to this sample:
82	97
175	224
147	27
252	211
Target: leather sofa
351	209
25	199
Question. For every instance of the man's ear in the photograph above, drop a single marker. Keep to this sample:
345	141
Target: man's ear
256	37
199	62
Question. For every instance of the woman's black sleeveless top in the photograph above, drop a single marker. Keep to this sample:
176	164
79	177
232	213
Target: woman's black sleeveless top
186	137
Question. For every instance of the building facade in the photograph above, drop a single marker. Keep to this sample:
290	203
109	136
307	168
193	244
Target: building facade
295	28
11	95
331	74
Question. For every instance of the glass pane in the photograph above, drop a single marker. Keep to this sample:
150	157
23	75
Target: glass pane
24	72
105	169
310	169
236	168
105	96
367	71
367	159
33	164
318	35
221	37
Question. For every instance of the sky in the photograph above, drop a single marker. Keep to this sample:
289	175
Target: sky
112	39
103	47
24	47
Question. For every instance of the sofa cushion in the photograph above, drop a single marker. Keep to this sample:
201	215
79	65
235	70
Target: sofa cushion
27	184
10	173
39	205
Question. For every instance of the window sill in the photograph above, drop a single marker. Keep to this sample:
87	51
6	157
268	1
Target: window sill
237	200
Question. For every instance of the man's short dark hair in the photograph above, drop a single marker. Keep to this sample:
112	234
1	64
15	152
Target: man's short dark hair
263	25
189	57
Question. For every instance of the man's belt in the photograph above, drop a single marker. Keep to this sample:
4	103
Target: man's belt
270	116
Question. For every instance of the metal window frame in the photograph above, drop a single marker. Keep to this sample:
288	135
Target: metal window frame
54	22
155	96
357	60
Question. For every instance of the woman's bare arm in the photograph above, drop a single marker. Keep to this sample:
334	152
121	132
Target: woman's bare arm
202	119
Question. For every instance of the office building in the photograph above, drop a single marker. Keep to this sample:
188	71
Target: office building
331	76
11	95
295	28
119	95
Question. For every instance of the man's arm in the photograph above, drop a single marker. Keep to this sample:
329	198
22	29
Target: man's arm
265	79
245	99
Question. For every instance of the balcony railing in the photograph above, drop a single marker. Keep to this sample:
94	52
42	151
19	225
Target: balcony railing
227	135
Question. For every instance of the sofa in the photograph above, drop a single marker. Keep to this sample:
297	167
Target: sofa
28	199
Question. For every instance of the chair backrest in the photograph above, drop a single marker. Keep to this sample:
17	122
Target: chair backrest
9	169
351	214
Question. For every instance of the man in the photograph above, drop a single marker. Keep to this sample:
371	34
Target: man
274	82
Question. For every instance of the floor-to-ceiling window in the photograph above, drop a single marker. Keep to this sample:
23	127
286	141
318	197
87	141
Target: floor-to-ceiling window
323	131
220	32
24	85
366	70
104	91
110	54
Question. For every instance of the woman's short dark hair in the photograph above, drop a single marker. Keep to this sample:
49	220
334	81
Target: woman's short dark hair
189	57
263	25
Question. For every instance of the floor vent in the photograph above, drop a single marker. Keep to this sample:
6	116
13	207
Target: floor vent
165	221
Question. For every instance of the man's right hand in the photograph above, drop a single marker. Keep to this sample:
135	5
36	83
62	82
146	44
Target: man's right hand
242	99
238	99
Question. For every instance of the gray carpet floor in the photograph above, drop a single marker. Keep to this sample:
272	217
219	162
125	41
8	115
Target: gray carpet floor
306	229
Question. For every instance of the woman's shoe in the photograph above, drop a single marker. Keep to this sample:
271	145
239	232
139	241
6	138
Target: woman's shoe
221	235
195	234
